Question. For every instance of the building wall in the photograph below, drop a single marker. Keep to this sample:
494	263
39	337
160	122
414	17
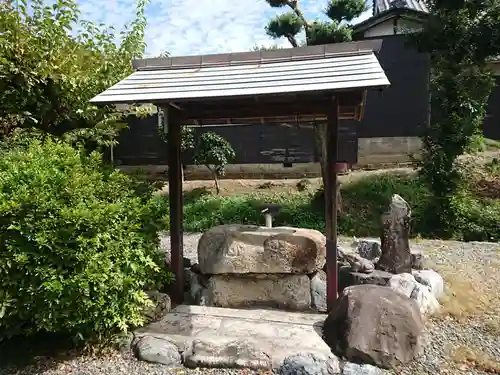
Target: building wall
491	126
382	29
388	27
388	133
401	109
405	26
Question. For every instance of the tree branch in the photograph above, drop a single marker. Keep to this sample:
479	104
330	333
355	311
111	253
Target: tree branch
292	40
294	5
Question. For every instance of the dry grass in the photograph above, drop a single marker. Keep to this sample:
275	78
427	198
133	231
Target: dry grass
492	326
471	289
475	358
467	295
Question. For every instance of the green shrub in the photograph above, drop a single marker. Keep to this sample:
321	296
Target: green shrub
364	201
367	199
479	218
78	245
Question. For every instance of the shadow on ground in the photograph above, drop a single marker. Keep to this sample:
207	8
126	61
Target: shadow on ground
43	351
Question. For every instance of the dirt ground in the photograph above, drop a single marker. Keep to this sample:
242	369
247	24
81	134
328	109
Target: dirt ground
243	186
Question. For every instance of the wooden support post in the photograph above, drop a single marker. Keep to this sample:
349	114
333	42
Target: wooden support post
173	129
331	203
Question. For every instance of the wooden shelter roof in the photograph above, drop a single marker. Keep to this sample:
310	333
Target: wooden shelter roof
279	85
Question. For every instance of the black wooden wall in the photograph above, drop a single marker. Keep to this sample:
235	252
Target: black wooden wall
491	126
398	111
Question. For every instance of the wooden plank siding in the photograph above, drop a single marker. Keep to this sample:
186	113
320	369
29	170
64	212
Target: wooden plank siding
398	111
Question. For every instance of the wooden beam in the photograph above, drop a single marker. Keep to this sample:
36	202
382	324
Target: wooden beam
344	114
241	110
175	201
267	108
330	189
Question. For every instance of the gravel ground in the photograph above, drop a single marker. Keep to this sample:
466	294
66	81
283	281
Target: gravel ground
113	365
472	275
472	272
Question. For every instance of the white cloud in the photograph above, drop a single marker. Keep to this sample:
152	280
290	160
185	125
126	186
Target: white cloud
190	27
207	26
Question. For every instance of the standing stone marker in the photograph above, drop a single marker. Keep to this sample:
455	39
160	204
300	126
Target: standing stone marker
396	255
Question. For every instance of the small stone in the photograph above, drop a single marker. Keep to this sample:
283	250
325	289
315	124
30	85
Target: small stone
369	249
333	365
309	364
195	268
155	350
235	354
357	263
406	284
417	260
431	279
318	291
161	305
355	369
194	288
349	278
363	265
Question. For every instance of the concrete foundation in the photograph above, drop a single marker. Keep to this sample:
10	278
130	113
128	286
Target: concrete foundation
373	153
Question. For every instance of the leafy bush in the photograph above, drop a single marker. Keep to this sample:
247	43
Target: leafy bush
78	245
214	152
53	62
364	202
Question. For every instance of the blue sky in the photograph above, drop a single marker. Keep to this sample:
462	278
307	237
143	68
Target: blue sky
191	27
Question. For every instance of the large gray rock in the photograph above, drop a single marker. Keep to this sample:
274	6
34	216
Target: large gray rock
152	349
406	284
396	255
376	325
282	291
310	364
318	291
431	279
241	249
235	354
356	369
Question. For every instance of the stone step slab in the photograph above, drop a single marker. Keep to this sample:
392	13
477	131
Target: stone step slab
223	337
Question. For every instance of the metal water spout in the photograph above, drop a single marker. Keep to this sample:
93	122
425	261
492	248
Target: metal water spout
270	210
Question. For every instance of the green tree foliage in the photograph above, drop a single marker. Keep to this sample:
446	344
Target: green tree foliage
49	70
214	152
461	37
78	243
336	30
273	47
